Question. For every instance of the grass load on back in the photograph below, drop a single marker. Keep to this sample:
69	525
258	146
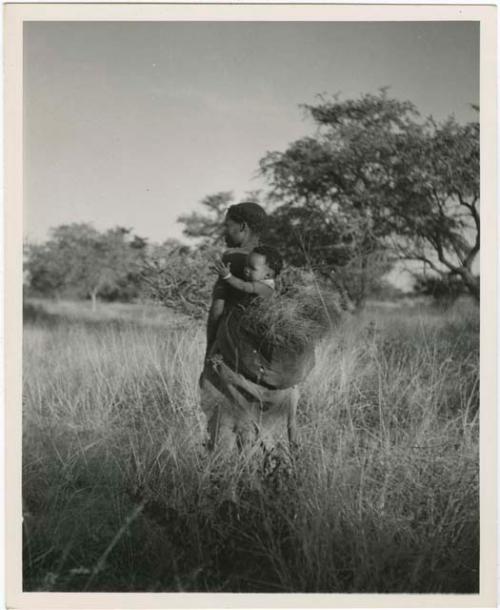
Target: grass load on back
297	315
275	320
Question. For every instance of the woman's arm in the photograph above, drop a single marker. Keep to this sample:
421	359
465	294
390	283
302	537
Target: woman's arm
215	313
214	316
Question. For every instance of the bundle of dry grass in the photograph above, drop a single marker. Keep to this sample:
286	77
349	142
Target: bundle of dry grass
298	315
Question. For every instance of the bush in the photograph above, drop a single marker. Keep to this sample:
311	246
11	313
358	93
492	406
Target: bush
444	289
180	277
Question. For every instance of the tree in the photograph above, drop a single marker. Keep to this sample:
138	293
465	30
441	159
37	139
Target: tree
434	216
44	270
79	259
337	248
208	225
332	182
376	182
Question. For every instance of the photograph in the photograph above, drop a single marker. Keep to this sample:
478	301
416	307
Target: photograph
252	302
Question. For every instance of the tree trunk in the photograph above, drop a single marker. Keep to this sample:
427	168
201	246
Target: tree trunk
93	296
472	283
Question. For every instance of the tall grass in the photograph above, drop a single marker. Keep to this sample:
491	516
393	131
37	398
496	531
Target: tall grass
119	493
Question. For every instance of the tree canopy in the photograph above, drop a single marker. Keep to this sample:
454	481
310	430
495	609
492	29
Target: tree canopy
376	183
80	260
208	223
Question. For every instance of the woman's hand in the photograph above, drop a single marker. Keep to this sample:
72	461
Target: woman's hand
222	269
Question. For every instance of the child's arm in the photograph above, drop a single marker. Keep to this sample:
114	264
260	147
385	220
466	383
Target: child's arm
251	287
259	288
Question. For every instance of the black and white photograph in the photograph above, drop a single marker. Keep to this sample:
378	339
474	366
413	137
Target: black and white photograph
251	301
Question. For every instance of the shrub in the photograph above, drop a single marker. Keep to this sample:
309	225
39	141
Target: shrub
180	277
444	289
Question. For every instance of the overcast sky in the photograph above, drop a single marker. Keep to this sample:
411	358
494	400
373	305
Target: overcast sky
133	124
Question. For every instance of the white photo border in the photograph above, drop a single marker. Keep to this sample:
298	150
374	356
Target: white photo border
14	16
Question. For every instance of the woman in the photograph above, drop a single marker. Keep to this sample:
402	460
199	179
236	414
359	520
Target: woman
249	397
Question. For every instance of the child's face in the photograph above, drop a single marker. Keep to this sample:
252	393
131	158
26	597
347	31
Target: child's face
256	268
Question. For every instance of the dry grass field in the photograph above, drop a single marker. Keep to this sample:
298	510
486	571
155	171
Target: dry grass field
118	492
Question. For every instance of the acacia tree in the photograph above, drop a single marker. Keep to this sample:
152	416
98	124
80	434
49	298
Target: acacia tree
44	271
80	259
332	181
336	247
207	224
435	215
376	182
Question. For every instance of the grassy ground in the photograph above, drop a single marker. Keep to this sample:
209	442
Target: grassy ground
118	494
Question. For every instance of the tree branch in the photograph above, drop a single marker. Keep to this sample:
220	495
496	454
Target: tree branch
477	221
420	257
471	207
472	254
435	241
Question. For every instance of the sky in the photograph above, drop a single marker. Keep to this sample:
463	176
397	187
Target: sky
132	124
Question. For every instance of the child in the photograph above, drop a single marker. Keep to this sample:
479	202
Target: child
263	264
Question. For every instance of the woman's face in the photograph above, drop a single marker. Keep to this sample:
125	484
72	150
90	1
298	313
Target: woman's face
233	232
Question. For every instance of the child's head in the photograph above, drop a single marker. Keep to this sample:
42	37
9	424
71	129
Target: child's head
264	262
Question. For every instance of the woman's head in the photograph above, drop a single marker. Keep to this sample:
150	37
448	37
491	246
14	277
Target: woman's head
243	221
